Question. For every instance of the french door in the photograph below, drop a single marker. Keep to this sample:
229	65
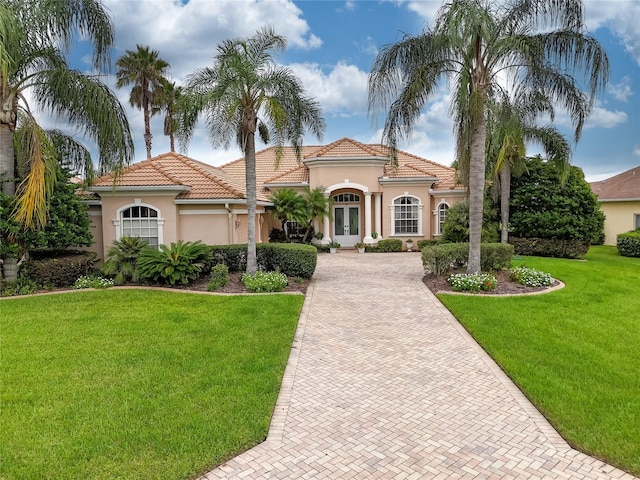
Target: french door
346	225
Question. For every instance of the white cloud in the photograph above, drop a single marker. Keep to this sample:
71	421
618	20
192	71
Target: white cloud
601	117
186	35
343	90
636	151
621	90
621	17
350	5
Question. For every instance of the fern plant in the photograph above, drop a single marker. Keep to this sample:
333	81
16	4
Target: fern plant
122	259
181	263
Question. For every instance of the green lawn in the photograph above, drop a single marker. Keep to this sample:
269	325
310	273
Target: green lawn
575	352
136	383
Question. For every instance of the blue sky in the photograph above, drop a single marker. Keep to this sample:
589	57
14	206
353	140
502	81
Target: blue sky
332	45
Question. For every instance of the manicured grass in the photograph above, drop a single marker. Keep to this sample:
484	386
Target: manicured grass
138	384
575	352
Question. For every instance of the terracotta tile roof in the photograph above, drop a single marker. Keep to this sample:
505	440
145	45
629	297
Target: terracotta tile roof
624	186
289	170
172	169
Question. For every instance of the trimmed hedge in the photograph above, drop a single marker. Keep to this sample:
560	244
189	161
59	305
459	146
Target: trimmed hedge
440	259
384	246
550	247
428	242
58	268
292	259
628	243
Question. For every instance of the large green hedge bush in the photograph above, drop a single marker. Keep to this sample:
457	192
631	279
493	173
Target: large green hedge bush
292	259
550	247
384	246
440	259
58	268
629	243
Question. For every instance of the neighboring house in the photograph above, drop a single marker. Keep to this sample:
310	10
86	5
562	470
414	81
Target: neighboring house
171	197
620	202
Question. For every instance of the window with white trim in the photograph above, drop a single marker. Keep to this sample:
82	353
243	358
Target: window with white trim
406	216
346	198
140	221
637	215
442	210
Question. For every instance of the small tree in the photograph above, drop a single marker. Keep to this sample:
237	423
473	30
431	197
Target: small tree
456	226
542	207
289	206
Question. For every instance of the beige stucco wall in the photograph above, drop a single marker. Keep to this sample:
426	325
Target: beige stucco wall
95	216
326	176
207	223
620	218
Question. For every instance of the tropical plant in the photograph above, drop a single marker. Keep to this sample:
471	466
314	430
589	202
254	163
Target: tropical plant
246	92
318	205
169	97
122	260
480	46
219	277
182	262
288	206
34	39
146	71
511	123
259	281
456	226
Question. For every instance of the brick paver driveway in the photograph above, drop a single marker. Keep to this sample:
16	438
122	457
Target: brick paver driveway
383	383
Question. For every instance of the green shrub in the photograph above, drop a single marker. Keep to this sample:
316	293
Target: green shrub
233	256
122	259
384	246
58	268
92	281
550	247
219	277
531	277
456	226
428	242
291	259
439	259
22	286
265	282
180	263
473	282
629	243
322	248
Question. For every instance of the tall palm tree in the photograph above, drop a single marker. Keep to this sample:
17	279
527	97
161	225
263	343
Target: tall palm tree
288	206
511	124
246	92
169	98
479	46
34	38
146	72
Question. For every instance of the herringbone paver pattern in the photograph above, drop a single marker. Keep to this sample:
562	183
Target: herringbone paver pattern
384	383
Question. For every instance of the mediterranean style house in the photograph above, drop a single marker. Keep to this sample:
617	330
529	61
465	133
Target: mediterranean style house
172	197
619	198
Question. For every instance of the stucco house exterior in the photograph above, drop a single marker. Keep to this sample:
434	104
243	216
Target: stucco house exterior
619	198
171	196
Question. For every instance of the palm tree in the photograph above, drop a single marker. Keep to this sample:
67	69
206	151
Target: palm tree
34	38
317	205
246	92
511	124
288	206
146	72
169	97
480	46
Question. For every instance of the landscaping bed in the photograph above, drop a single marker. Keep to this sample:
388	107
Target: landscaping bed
505	285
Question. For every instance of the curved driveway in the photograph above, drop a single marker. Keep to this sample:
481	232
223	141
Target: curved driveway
382	382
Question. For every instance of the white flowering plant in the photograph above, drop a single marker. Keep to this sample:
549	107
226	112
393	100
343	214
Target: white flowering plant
531	277
265	281
472	282
92	281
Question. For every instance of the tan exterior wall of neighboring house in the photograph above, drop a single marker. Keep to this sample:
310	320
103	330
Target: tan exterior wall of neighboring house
620	218
95	216
207	223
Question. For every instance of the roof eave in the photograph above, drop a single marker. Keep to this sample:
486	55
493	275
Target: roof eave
408	180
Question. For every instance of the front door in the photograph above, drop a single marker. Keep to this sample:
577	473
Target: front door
346	225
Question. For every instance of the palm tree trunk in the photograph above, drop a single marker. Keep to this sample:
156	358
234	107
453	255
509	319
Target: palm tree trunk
7	168
505	195
476	193
147	130
172	142
250	167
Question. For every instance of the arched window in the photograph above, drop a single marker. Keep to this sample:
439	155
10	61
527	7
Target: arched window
406	216
346	198
442	210
141	221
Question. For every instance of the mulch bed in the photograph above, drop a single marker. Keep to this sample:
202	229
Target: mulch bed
236	286
505	285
